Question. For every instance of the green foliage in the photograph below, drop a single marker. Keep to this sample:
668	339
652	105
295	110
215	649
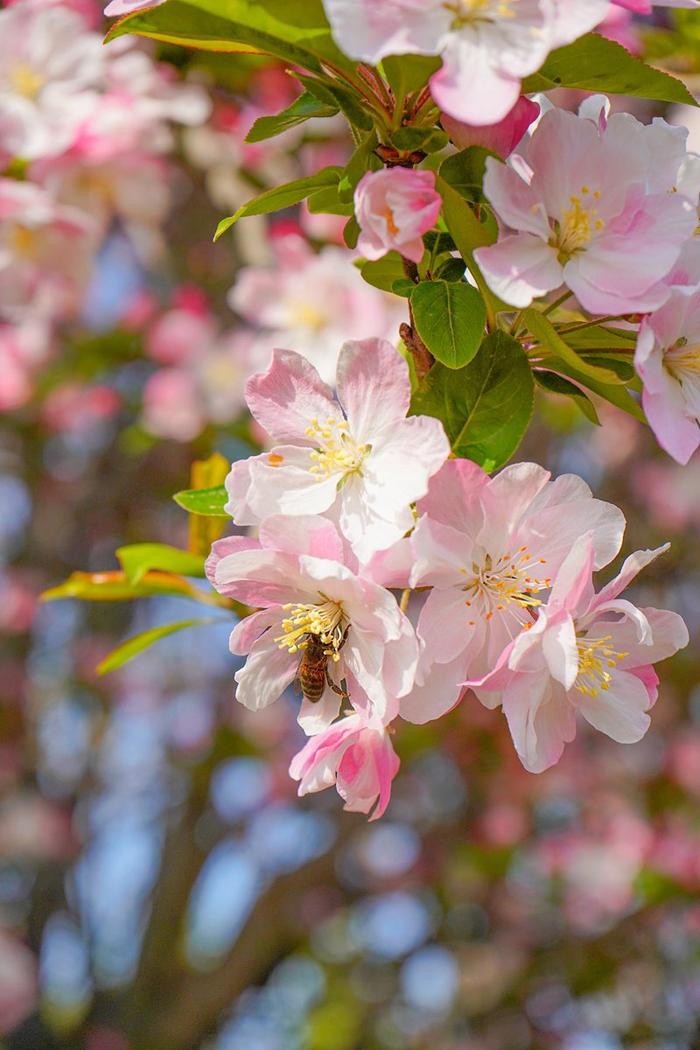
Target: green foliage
450	319
556	384
208	502
543	330
486	406
304	108
140	558
594	63
140	642
115	587
464	172
295	31
384	272
282	197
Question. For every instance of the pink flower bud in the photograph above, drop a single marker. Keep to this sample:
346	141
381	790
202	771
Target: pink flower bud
500	138
394	208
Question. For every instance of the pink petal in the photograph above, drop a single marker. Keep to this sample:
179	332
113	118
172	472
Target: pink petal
373	386
286	398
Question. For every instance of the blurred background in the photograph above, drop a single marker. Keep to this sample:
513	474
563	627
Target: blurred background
161	887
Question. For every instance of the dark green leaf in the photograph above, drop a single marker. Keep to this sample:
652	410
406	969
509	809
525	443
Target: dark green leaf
328	202
140	642
209	502
464	172
384	272
450	319
410	139
282	197
351	233
333	93
557	384
302	109
486	406
594	63
407	74
616	394
362	161
403	287
140	558
451	270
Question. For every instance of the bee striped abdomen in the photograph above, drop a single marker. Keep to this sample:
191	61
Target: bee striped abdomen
312	669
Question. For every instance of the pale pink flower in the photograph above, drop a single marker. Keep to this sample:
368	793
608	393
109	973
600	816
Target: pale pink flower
490	548
50	70
668	361
118	8
394	208
357	457
180	334
45	253
487	46
23	347
607	219
357	756
500	138
585	652
172	407
297	574
314	301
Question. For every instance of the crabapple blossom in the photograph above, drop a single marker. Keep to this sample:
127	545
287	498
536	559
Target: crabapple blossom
357	755
486	46
297	574
500	138
358	457
50	71
608	219
668	360
585	652
45	252
315	301
394	208
490	548
644	7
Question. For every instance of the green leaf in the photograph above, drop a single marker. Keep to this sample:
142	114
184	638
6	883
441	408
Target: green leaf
351	233
333	93
115	587
304	108
486	406
203	531
295	31
407	74
450	319
209	502
411	139
543	330
594	63
140	642
464	172
385	272
140	558
282	197
362	160
556	384
616	394
451	270
328	202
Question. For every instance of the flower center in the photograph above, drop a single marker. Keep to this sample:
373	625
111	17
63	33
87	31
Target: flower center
390	221
23	241
337	452
508	582
595	661
325	620
683	361
578	224
25	81
469	12
306	315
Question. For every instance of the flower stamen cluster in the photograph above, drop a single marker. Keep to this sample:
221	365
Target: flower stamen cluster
325	621
337	452
595	660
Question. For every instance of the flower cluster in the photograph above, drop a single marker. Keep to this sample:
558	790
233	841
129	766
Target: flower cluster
353	501
84	136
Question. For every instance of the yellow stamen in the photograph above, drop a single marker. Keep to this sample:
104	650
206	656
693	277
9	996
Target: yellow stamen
326	620
595	661
26	81
337	451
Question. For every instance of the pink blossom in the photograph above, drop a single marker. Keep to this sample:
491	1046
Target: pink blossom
487	46
357	755
394	208
490	548
172	407
668	361
298	575
50	70
500	138
118	8
45	253
313	302
586	652
606	219
357	457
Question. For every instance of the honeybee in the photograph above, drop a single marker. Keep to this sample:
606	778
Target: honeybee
313	670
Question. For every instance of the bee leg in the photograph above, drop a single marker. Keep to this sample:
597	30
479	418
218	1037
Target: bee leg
336	688
344	639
